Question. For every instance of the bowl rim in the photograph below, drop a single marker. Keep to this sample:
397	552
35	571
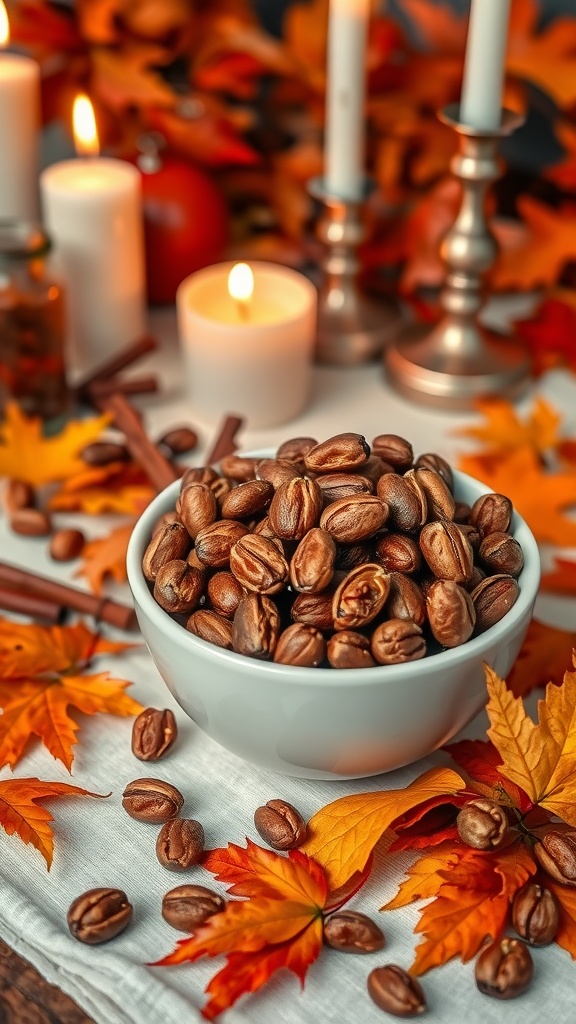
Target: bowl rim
297	675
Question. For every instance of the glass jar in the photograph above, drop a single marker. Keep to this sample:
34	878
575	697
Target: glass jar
32	323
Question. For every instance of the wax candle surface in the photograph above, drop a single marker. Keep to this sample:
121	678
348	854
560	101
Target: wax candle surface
19	128
345	91
481	103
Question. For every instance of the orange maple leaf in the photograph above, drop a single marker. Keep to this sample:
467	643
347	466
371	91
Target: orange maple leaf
21	815
503	431
26	454
566	934
42	674
543	658
544	56
562	580
538	259
106	557
119	487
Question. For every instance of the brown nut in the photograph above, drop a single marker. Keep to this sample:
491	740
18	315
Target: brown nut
247	499
406	600
211	627
493	597
430	460
312	564
397	641
179	440
99	915
199	475
152	800
349	931
224	593
239	467
360	597
394	450
461	512
296	448
31	522
396	991
295	508
482	823
154	733
374	468
348	556
536	914
171	542
339	454
478	575
18	494
447	551
214	543
280	825
178	587
276	471
471	534
180	844
556	852
406	503
441	504
258	564
314	609
193	560
450	613
504	968
351	520
66	545
256	627
348	649
343	485
300	645
491	513
163	520
197	508
501	553
102	453
398	553
187	906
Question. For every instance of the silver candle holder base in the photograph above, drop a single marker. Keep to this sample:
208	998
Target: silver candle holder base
352	327
458	361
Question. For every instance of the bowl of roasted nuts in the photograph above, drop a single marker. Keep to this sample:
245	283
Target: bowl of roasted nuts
326	610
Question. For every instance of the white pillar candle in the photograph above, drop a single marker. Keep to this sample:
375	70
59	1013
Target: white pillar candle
93	213
345	92
481	102
19	128
251	355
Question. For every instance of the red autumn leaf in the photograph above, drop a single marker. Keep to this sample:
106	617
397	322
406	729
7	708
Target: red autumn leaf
550	336
563	578
543	658
430	824
480	760
255	871
21	815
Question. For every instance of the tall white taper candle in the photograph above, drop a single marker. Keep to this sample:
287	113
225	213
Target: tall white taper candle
481	102
19	128
345	92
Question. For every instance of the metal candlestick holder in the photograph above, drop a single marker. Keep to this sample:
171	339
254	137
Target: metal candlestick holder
458	360
352	327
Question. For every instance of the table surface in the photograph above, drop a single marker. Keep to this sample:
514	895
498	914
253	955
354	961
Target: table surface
353	399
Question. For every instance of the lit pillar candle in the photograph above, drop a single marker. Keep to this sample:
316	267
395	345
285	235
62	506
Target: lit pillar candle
345	92
19	127
247	336
481	102
93	213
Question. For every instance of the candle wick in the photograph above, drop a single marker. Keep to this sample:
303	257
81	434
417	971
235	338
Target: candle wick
243	308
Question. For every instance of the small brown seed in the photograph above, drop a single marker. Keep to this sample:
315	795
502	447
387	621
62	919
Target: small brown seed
18	494
256	627
295	508
300	645
406	504
491	513
247	499
163	520
312	564
493	597
178	587
354	519
179	440
432	461
197	508
406	600
280	825
187	906
450	613
314	609
395	450
396	992
224	593
504	968
441	504
461	512
471	534
343	485
536	914
556	852
341	453
99	915
171	541
214	543
348	556
152	800
180	844
193	560
238	467
397	641
360	597
296	448
31	522
102	453
482	824
398	553
447	551
258	564
276	471
352	932
348	649
374	468
211	627
66	545
154	733
199	475
501	553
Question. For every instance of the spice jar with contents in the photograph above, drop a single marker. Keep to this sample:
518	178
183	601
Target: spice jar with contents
32	323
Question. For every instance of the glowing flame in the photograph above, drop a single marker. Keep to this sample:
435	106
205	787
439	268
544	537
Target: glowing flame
4	25
241	283
84	125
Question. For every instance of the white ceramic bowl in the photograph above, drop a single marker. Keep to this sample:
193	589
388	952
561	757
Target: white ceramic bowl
325	723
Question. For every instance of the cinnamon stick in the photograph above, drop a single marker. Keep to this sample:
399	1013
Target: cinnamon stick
113	366
225	443
143	451
104	609
132	386
29	604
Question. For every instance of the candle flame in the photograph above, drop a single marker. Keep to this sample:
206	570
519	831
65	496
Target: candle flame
4	25
241	282
84	125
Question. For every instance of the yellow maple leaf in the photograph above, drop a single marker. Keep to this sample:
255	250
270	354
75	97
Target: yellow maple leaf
504	431
25	454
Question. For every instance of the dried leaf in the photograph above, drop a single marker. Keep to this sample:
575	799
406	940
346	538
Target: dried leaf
26	454
504	431
544	57
557	715
119	487
255	871
562	580
106	557
34	650
481	760
541	258
566	934
424	879
550	336
520	743
126	77
543	658
21	815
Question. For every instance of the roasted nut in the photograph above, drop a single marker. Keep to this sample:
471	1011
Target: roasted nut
296	449
352	932
18	494
432	461
348	556
406	503
30	522
461	512
482	823
171	542
350	520
256	627
493	597
154	733
258	564
247	499
163	520
339	454
197	508
556	852
394	450
398	553
102	453
397	641
348	649
276	471
239	467
504	968
447	551
210	626
360	597
179	440
152	800
441	504
178	587
374	468
536	914
478	575
99	915
396	991
199	475
187	906
214	543
471	534
224	593
312	564
502	553
343	485
280	825
295	508
406	600
300	645
193	560
450	613
314	609
491	513
180	844
66	545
